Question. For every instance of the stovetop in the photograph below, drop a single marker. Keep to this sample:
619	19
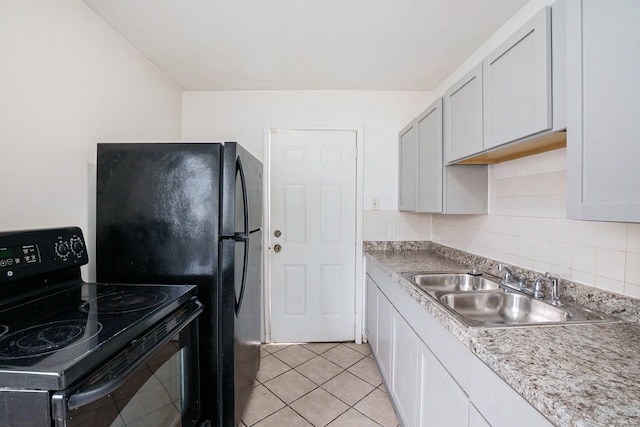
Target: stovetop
54	327
52	340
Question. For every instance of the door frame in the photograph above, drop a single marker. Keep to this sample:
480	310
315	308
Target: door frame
358	128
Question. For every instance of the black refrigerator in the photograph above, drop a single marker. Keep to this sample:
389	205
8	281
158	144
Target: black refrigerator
191	213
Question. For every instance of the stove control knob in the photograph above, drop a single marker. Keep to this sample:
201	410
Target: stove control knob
62	249
77	246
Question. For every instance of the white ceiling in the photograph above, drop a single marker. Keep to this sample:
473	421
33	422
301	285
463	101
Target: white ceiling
306	44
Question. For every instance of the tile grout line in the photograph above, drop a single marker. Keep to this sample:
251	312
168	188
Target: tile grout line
317	386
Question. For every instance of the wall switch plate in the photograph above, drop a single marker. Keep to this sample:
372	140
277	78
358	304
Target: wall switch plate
391	233
375	204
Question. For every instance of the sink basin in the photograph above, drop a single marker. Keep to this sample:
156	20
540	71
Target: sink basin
502	308
480	301
451	282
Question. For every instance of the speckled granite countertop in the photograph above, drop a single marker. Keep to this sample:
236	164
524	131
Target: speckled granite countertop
575	375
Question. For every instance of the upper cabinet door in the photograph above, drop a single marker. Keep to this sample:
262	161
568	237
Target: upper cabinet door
430	160
517	84
603	91
463	116
408	168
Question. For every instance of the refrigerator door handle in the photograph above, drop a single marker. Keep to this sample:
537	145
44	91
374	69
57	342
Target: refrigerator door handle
243	236
245	266
245	201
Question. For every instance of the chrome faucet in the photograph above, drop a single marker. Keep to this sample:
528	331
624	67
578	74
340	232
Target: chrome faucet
510	277
517	283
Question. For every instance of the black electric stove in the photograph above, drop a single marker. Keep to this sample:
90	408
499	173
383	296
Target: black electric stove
56	329
51	341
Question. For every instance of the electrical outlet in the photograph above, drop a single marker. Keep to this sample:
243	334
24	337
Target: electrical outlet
374	204
391	233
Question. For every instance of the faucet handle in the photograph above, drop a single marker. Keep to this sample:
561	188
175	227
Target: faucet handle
555	285
537	287
507	272
510	276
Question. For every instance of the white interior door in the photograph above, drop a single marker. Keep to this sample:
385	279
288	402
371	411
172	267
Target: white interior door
312	235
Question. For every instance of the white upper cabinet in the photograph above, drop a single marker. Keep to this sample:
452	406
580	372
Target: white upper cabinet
426	185
429	179
408	168
513	103
516	86
463	116
603	125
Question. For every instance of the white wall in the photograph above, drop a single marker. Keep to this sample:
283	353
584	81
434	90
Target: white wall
241	116
68	81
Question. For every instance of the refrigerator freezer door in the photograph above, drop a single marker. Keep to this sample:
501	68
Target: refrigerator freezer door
253	177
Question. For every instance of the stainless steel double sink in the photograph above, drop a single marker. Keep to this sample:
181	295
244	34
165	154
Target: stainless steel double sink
481	301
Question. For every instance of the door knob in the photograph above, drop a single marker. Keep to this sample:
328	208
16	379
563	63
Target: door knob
277	248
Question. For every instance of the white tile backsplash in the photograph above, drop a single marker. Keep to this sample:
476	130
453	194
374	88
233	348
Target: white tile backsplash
584	259
585	233
632	272
561	254
562	230
610	264
408	226
610	285
527	226
543	229
545	162
633	238
612	235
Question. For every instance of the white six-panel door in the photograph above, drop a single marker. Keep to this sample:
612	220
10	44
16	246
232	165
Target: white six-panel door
312	235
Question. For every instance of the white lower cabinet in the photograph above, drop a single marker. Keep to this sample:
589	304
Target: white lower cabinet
371	324
385	337
475	418
498	403
404	383
432	378
442	401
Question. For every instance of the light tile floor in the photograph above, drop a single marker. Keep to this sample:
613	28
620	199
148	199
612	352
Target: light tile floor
320	384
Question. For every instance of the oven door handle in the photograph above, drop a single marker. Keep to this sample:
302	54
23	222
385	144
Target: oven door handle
99	390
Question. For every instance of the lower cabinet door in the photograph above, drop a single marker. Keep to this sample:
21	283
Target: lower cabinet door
385	329
371	314
475	418
406	364
442	401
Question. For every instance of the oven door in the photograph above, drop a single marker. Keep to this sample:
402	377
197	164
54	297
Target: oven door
154	381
